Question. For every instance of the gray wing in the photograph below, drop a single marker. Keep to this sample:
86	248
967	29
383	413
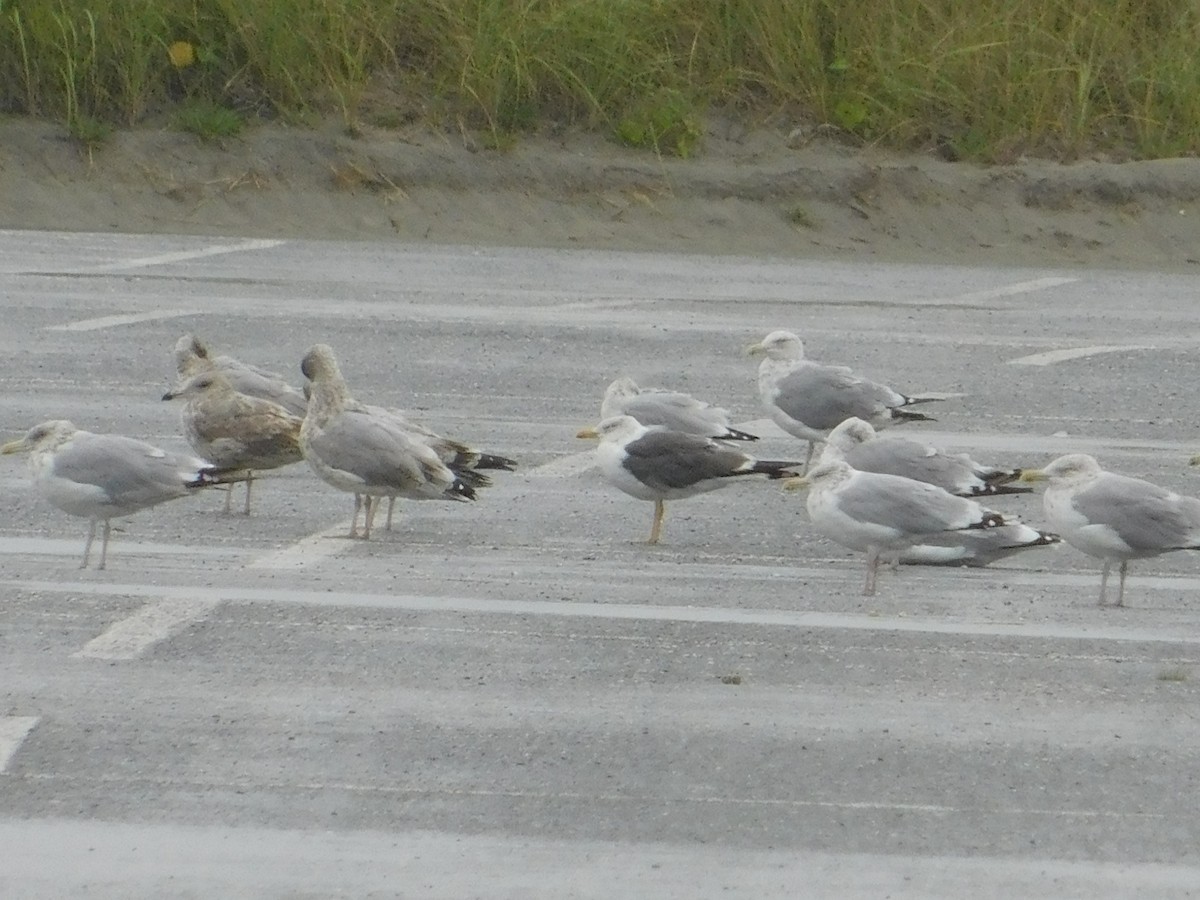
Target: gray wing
381	455
1146	516
678	412
132	473
823	397
910	507
668	459
267	385
912	459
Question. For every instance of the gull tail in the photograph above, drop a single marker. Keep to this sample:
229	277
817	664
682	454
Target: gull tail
989	519
214	475
494	461
772	468
733	434
900	415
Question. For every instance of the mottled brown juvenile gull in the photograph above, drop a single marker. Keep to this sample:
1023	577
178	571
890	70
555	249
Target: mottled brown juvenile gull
1113	517
365	453
192	357
808	399
105	476
859	444
670	409
658	464
884	514
236	431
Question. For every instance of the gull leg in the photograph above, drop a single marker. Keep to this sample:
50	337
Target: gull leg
358	502
104	544
808	457
660	510
872	571
372	504
1104	581
1121	583
228	499
391	506
249	484
87	547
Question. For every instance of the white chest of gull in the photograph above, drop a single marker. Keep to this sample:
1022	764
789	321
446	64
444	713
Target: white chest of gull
659	465
363	452
105	476
1113	517
236	431
885	515
670	409
192	357
808	399
862	447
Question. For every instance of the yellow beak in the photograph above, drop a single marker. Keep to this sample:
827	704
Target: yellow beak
1033	475
13	447
755	349
797	483
589	432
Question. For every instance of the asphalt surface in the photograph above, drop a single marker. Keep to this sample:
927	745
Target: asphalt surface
517	697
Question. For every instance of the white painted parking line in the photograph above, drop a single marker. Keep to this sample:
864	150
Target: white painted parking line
313	549
1056	356
154	622
777	618
565	466
72	547
1013	290
13	731
185	255
101	322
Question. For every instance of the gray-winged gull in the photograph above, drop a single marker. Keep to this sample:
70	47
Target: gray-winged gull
105	476
859	444
368	454
670	409
658	464
1113	517
193	357
884	514
977	547
234	430
808	399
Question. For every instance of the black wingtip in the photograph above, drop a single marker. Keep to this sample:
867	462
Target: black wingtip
734	435
460	490
493	461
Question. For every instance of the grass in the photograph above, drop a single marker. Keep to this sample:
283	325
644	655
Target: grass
207	120
987	80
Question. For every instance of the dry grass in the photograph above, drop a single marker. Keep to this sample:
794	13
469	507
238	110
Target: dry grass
984	80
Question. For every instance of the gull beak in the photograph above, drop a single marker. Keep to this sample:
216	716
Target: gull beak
1030	475
14	447
1194	461
796	483
755	349
169	395
589	432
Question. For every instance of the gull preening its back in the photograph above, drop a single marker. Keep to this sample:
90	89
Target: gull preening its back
105	476
659	465
670	409
808	399
1113	517
236	431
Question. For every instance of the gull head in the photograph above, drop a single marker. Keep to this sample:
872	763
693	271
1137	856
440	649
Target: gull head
829	474
778	345
319	364
45	436
190	355
1074	468
623	388
204	384
615	428
850	434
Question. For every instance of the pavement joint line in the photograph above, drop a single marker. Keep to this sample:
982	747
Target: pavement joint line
101	322
13	731
1015	289
636	612
1050	357
155	622
416	790
308	550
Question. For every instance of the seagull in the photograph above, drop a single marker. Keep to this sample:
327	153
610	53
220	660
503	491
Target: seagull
192	357
859	444
670	409
236	431
884	514
977	547
808	399
367	454
1113	517
105	476
659	464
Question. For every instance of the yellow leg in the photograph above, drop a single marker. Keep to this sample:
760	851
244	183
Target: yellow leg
660	510
391	506
372	504
249	483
